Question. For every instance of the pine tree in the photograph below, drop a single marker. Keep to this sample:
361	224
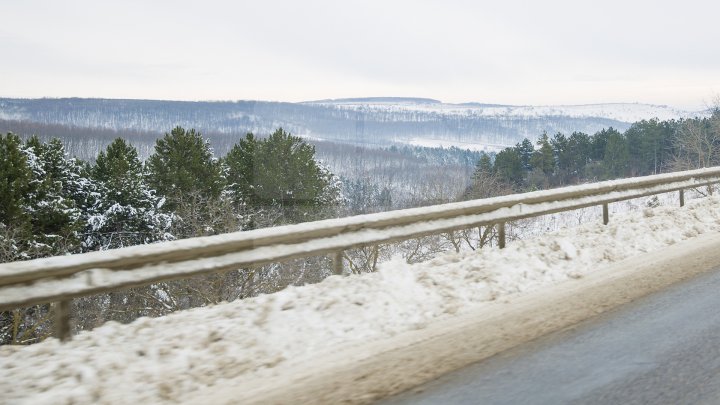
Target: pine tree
128	212
120	171
486	183
617	155
56	199
579	150
562	156
280	172
543	157
285	172
183	169
240	170
184	172
15	177
508	166
525	150
650	146
484	165
598	144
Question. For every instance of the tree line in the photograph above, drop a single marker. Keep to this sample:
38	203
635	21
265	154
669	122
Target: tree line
52	204
647	147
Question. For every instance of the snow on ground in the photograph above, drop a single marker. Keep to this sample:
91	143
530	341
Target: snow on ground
163	359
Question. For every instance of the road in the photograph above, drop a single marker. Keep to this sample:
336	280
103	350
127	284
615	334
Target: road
661	349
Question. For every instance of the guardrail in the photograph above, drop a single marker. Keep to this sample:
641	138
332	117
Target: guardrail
62	278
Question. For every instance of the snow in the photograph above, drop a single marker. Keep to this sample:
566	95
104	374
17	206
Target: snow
444	143
163	359
91	271
624	112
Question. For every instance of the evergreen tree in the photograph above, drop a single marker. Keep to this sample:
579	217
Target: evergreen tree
286	172
485	182
57	198
599	143
508	166
650	144
484	165
120	171
525	150
543	158
578	149
128	212
15	178
240	170
281	172
617	155
183	170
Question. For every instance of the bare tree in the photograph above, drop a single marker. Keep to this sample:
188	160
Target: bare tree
697	141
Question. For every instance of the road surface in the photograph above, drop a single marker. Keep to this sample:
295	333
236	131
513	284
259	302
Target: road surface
661	349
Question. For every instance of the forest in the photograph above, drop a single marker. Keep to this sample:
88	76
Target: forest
321	120
55	204
647	147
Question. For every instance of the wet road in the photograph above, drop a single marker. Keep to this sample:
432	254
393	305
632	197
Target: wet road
661	349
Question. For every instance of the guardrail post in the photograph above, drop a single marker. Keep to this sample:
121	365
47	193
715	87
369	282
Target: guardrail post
606	214
682	197
338	263
62	320
501	235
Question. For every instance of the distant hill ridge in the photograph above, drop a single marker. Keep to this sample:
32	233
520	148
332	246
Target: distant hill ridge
366	121
417	100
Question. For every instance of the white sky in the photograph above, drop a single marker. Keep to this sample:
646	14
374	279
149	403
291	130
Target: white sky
501	51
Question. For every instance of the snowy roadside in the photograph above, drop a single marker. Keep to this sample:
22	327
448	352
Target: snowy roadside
164	359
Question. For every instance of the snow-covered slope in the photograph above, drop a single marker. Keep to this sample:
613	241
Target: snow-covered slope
625	112
163	360
368	121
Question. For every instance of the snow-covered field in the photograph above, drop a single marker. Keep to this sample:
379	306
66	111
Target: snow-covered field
164	359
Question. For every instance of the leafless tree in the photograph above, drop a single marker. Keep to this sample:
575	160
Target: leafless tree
697	142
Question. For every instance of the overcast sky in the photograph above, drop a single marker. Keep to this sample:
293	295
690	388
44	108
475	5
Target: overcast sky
502	51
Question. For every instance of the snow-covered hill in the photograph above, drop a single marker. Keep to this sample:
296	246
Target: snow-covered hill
367	121
625	112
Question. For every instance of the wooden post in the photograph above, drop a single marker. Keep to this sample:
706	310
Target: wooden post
338	263
710	189
501	235
606	214
682	198
62	320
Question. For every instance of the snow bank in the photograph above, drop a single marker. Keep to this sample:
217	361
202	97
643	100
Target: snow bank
163	359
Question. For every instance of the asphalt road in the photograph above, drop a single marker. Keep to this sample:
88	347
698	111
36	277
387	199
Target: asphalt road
661	349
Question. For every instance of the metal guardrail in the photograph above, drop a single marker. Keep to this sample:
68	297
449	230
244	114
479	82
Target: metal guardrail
62	278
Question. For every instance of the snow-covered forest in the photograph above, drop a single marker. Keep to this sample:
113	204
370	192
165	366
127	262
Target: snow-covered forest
71	189
370	121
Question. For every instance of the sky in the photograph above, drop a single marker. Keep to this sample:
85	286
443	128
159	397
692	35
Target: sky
510	52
